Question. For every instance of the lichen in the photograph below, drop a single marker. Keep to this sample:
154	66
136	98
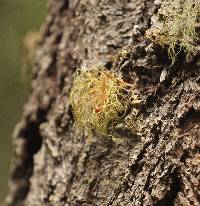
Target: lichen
29	47
176	27
99	99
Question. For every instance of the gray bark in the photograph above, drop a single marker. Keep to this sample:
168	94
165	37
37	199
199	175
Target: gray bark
157	159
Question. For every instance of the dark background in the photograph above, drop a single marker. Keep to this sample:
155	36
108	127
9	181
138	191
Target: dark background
17	18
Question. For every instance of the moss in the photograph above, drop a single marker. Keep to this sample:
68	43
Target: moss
177	27
100	99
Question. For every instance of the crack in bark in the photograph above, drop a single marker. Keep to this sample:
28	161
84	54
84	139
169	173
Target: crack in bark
24	169
175	188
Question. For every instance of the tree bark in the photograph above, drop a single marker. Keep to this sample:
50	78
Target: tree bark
156	160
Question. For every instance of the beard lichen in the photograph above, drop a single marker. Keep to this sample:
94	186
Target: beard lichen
99	99
176	27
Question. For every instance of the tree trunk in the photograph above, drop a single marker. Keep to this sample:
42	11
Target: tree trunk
156	159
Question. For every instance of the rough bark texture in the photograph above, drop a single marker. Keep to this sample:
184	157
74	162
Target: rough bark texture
157	159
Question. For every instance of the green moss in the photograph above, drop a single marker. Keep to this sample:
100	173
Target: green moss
176	27
99	99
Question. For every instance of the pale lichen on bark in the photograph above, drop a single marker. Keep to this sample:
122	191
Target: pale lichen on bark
157	161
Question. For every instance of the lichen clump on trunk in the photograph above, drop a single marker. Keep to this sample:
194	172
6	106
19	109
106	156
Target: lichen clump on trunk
98	99
176	27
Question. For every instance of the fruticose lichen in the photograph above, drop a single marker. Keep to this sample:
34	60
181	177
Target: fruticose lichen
176	27
99	99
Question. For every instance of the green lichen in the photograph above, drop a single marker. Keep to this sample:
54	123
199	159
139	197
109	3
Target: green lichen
176	27
99	99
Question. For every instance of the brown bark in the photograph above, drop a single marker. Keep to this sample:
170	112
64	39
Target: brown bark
157	159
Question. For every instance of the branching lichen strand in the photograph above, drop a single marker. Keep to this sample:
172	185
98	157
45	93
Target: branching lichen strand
99	98
177	25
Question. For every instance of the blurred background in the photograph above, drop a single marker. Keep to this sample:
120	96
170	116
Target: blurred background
17	18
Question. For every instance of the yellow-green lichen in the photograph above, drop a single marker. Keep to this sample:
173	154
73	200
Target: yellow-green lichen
176	27
29	46
99	99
